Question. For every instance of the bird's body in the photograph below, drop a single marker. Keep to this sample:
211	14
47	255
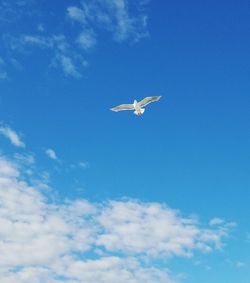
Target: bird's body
136	106
138	110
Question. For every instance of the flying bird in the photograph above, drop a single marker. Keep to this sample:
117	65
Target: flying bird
136	106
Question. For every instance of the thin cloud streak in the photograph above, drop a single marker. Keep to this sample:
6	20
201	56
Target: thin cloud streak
113	16
51	153
12	136
3	73
66	52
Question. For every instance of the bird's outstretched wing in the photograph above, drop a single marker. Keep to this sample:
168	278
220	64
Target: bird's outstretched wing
123	107
148	100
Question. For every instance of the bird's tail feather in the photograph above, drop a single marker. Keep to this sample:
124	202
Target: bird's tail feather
140	112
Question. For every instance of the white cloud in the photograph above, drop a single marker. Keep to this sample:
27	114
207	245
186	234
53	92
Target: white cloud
34	232
79	241
8	169
80	165
1	61
216	221
42	241
64	55
113	269
236	264
240	264
76	14
114	16
12	11
51	153
126	21
3	73
87	40
12	136
68	66
40	27
83	165
26	159
54	41
16	64
41	41
125	224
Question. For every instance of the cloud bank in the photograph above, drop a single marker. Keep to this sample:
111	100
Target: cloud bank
82	241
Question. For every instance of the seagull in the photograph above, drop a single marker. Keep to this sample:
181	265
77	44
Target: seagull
136	106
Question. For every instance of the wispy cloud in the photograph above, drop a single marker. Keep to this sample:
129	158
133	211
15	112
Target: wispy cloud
12	136
68	66
36	40
125	21
240	264
51	153
76	14
83	164
3	73
12	11
27	159
63	54
1	61
87	40
40	27
216	221
114	16
76	241
80	165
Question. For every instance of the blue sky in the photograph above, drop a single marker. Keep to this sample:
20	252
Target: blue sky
158	198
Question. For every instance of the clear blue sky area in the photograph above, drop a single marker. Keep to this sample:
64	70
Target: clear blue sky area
63	65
